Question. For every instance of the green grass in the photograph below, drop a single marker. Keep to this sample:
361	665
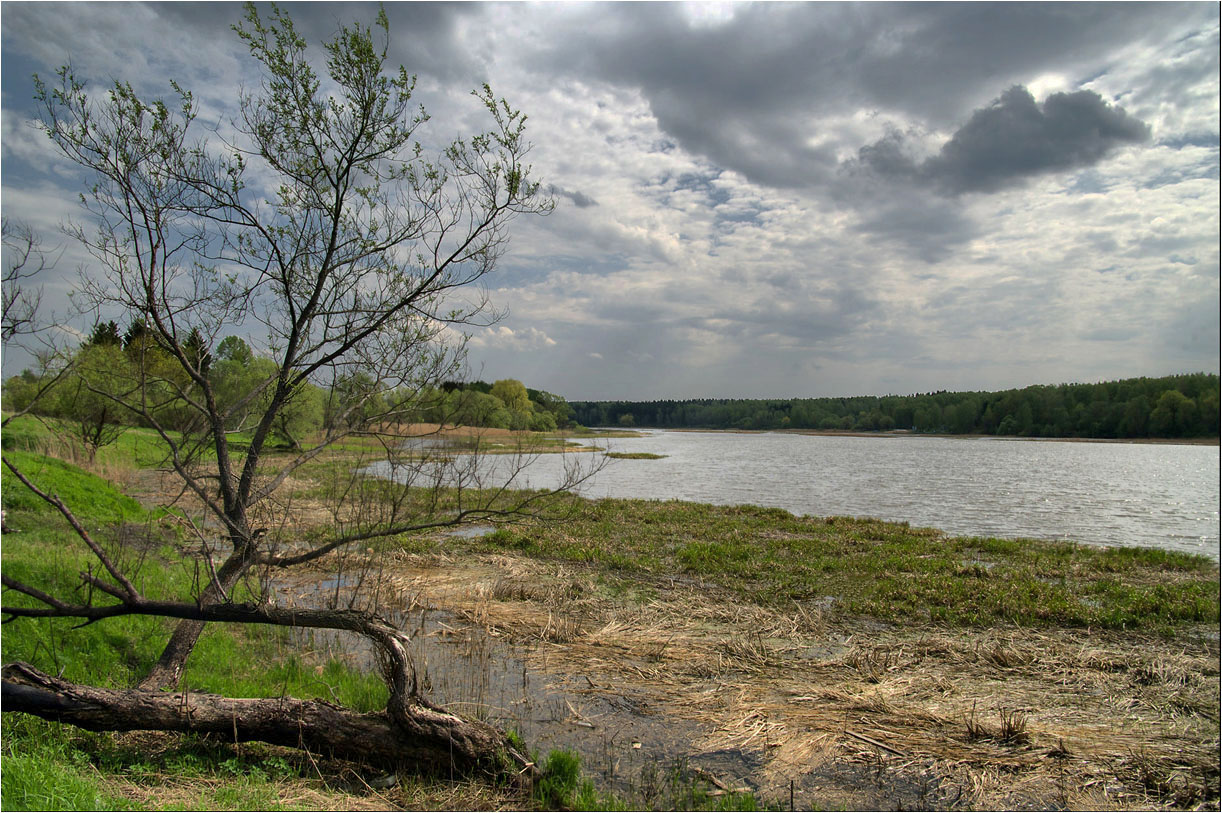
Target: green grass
49	766
83	492
563	787
43	768
25	433
881	569
137	447
763	555
635	456
45	553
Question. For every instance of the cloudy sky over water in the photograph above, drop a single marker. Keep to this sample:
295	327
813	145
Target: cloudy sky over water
773	199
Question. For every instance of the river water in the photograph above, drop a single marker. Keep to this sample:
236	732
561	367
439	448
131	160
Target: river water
1154	495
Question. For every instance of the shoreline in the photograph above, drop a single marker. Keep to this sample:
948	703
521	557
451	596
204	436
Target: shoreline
899	433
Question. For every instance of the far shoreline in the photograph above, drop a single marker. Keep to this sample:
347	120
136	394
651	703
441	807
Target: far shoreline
900	433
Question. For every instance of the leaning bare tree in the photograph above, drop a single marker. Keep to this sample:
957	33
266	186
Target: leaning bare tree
320	217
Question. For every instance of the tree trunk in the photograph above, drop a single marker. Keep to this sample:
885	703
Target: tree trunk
420	735
168	670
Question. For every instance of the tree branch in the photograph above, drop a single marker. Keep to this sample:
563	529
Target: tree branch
114	572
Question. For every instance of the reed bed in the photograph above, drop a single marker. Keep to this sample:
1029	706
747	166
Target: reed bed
854	711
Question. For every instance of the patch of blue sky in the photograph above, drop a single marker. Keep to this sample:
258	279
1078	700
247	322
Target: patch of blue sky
1199	138
1089	182
1204	169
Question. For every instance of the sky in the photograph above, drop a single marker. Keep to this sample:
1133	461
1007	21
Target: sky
766	200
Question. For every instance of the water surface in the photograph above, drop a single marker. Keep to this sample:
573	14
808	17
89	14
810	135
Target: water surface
1154	495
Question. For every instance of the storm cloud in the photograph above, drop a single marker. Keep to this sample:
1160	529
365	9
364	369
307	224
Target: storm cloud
1012	140
757	199
772	92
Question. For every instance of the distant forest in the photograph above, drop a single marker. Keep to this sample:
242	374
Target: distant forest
1178	406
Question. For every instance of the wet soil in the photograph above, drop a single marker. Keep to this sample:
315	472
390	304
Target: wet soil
664	685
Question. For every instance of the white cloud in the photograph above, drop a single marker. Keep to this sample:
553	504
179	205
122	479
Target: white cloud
503	338
722	247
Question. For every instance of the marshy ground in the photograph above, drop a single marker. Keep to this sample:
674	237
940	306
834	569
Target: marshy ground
687	652
823	663
670	680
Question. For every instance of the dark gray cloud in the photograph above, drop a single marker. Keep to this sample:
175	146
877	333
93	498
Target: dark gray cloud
928	228
750	95
580	200
150	43
424	36
789	198
1015	138
805	319
1012	140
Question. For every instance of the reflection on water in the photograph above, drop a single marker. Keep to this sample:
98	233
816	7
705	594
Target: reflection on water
1108	493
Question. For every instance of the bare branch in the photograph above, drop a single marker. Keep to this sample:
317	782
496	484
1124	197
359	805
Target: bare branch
128	588
27	261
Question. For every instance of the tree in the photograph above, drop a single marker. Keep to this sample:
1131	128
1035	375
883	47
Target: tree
473	408
198	355
557	407
327	224
355	401
1208	403
240	380
1173	415
88	398
234	348
105	334
512	394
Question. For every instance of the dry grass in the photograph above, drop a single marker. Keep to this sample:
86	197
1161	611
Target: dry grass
985	718
853	712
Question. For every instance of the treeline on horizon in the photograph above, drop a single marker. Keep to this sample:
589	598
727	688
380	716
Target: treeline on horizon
83	388
1177	406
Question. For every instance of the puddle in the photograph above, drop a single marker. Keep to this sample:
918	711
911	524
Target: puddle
618	733
626	745
471	531
629	742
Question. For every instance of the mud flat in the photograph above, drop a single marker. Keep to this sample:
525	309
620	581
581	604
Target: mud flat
658	681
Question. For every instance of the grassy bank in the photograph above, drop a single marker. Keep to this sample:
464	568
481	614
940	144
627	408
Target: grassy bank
769	635
52	766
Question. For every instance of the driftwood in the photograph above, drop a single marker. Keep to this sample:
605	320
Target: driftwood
713	779
874	742
411	731
425	737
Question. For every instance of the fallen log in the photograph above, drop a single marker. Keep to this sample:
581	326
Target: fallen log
410	732
422	736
